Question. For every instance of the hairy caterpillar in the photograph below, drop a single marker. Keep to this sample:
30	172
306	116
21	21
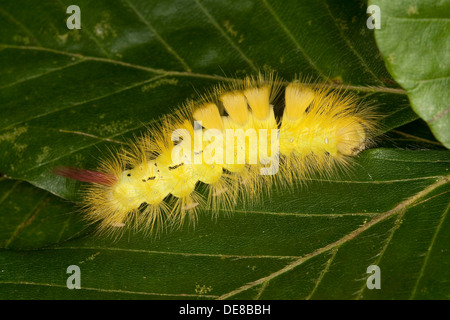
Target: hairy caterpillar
235	142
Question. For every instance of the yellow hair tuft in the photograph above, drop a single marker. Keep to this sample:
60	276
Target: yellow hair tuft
209	115
259	101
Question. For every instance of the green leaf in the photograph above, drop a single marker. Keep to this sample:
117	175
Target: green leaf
314	243
67	96
414	39
33	218
68	93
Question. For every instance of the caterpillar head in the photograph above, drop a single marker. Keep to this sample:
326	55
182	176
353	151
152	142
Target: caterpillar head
142	184
113	197
126	190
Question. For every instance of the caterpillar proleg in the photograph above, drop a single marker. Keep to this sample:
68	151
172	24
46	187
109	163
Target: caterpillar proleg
236	141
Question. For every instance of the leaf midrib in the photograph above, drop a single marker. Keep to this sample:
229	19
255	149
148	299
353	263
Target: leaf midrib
186	295
402	206
297	260
375	89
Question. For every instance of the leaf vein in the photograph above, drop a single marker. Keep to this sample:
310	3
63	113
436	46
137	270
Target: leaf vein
6	195
48	71
370	89
347	42
158	36
112	290
29	218
224	34
383	250
425	262
185	254
322	274
294	40
20	25
106	53
134	85
397	209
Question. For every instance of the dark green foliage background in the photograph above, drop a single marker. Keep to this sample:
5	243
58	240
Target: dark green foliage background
66	96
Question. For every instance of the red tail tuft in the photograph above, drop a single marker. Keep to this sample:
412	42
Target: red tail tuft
105	179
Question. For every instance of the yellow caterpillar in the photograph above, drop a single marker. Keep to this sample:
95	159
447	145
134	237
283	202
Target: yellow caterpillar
236	141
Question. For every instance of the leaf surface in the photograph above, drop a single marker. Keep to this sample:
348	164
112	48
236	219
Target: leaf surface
414	40
67	96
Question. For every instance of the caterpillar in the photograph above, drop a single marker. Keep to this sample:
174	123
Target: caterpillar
233	143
